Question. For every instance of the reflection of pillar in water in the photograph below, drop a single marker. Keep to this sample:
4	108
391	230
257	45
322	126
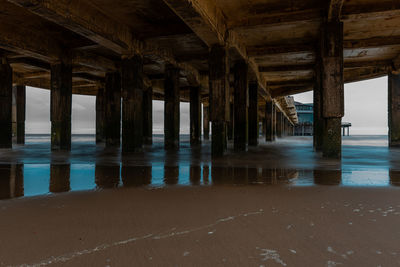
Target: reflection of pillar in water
206	173
107	176
221	174
269	176
195	175
252	174
11	181
171	174
60	178
240	175
394	176
136	175
327	177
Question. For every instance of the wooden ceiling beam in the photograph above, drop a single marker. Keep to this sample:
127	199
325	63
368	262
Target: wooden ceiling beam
84	19
21	41
279	49
208	22
290	90
365	64
335	10
356	75
283	68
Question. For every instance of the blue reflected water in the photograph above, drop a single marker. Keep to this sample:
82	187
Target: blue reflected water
290	162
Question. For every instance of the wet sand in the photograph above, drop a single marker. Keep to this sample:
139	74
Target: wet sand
204	226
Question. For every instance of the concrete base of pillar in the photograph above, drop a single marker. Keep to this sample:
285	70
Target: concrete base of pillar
332	138
218	140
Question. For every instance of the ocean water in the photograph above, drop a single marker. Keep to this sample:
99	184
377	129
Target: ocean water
34	170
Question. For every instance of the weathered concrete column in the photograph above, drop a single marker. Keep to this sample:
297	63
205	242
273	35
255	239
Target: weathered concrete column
5	104
231	122
206	122
241	99
253	113
269	121
318	121
100	115
195	116
18	113
274	120
112	99
394	109
171	107
148	116
61	106
219	98
332	88
132	100
279	122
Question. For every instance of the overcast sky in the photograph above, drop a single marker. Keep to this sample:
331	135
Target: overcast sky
365	108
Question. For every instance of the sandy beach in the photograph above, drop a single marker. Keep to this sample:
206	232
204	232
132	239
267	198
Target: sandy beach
204	226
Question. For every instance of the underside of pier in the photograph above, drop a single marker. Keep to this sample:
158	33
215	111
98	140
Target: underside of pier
249	55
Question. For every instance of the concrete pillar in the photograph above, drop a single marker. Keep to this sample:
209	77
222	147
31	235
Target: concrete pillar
195	116
219	98
61	106
231	122
241	99
100	115
60	178
332	88
274	120
171	107
5	104
132	100
318	121
253	114
112	98
148	116
394	109
18	113
269	121
206	122
279	122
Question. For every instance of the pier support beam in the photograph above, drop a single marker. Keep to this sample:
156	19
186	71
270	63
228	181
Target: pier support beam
148	116
5	104
269	121
318	121
332	88
206	122
112	97
100	115
195	116
279	122
219	98
241	96
171	107
231	122
394	109
61	106
132	99
18	116
253	113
